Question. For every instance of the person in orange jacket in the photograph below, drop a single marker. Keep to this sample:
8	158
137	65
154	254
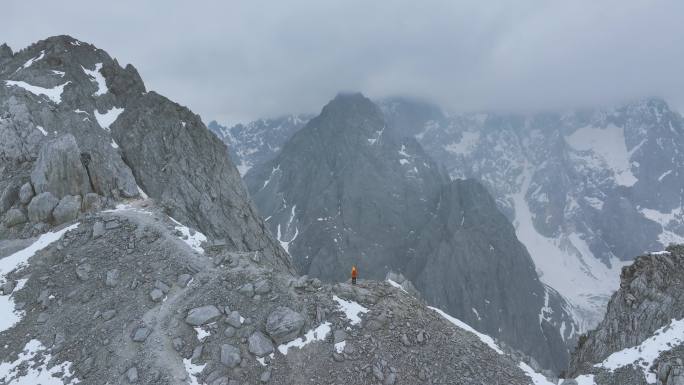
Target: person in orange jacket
354	273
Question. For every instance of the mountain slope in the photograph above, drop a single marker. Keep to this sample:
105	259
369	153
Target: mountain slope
641	339
586	190
346	189
99	281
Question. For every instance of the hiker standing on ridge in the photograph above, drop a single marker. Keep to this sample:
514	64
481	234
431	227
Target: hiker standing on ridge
353	275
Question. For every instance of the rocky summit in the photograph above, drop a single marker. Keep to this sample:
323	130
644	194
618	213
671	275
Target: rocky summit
348	189
130	252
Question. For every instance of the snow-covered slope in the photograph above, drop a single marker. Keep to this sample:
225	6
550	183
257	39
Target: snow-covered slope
586	190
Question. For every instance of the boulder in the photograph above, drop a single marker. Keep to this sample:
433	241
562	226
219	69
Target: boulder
59	169
202	315
14	217
67	209
26	193
230	355
284	324
41	206
233	319
98	229
260	345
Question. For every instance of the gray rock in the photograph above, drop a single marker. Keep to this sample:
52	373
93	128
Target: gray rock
260	345
59	169
41	206
184	280
14	217
67	210
112	276
339	335
108	314
246	289
230	355
140	334
284	324
233	319
26	193
92	202
98	229
156	295
202	315
42	318
83	271
262	287
162	286
265	376
132	375
229	332
390	379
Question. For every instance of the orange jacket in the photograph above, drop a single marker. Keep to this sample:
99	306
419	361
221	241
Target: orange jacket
353	271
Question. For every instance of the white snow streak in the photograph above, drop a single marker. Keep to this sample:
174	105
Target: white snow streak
105	120
643	355
99	79
487	340
351	309
42	130
317	334
54	94
193	371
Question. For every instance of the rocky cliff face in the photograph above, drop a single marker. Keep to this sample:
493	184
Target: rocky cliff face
99	281
640	339
349	190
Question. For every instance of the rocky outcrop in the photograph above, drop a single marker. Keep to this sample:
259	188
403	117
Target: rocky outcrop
650	299
179	163
59	170
348	190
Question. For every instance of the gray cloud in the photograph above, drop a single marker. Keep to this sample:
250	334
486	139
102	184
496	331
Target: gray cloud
232	60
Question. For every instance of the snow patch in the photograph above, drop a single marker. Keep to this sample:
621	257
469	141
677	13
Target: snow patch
643	355
608	147
114	145
378	134
339	347
99	79
351	309
192	238
398	286
201	333
54	94
317	334
33	60
487	340
42	130
193	371
35	365
105	120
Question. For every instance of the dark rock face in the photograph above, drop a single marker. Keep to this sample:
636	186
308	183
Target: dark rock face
650	297
348	190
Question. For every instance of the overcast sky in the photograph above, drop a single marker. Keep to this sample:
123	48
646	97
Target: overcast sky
234	61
